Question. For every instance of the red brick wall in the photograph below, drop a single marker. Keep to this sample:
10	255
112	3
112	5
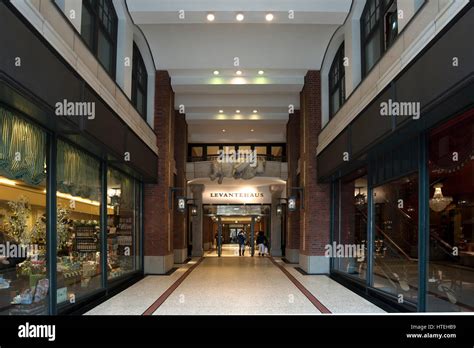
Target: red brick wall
157	216
314	219
206	229
293	154
180	157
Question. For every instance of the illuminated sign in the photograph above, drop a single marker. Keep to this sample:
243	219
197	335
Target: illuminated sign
233	194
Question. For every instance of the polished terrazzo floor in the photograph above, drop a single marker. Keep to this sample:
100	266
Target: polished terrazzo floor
234	285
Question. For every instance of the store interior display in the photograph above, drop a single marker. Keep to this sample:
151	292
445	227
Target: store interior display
121	224
351	223
451	236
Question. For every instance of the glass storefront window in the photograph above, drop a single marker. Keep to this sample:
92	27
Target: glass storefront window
277	151
261	150
24	285
396	238
24	282
78	224
451	211
196	151
244	148
212	150
122	224
350	228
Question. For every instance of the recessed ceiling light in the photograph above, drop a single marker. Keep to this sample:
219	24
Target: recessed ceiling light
238	72
211	17
216	72
261	72
269	17
237	111
240	17
252	130
223	131
255	111
221	111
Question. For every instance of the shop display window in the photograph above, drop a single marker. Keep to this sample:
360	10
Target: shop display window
451	216
78	224
395	248
350	227
122	224
24	285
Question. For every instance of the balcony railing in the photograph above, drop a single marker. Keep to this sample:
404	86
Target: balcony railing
215	157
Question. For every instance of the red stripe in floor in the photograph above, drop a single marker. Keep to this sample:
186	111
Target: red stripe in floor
322	308
150	310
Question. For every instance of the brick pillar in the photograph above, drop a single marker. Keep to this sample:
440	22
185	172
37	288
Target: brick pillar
198	244
207	232
180	158
158	217
275	221
292	248
314	219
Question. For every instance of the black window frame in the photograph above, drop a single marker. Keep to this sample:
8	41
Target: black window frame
138	65
373	23
337	80
96	8
235	146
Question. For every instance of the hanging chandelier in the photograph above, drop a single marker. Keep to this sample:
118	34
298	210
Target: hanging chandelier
439	202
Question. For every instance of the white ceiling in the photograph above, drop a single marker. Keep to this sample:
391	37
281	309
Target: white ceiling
192	48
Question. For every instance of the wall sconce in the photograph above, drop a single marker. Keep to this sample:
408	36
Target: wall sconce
181	202
279	210
292	199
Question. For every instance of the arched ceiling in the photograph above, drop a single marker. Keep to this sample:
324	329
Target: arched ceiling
191	48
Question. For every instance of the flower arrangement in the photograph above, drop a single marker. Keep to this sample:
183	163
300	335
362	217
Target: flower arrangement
38	233
17	223
29	267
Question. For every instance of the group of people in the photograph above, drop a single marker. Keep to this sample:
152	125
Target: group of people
262	243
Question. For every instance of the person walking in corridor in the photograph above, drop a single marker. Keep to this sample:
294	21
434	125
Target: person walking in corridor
261	242
241	238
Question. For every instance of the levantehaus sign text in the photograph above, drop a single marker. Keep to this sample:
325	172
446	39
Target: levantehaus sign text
236	194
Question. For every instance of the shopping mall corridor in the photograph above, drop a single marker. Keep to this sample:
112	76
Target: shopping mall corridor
233	285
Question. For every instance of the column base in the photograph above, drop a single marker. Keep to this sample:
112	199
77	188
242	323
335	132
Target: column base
180	255
292	255
207	246
197	253
276	252
158	264
313	264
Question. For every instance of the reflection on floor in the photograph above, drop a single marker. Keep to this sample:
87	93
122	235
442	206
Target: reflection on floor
230	250
235	285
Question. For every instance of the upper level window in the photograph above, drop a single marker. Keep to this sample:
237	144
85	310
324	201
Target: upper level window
139	82
99	31
337	91
379	28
